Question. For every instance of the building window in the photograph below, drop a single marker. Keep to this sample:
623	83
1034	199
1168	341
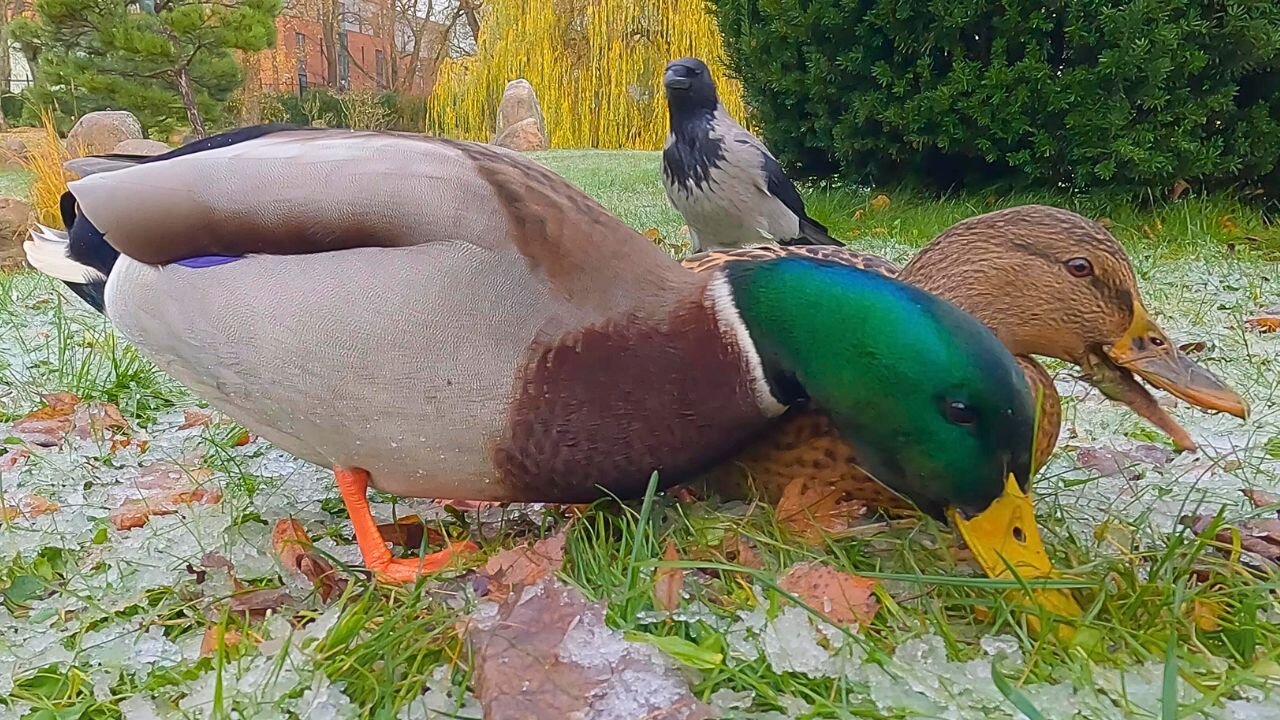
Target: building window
344	62
380	68
300	43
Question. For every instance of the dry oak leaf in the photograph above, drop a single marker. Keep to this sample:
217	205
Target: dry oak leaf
668	581
811	508
843	599
547	654
297	554
524	565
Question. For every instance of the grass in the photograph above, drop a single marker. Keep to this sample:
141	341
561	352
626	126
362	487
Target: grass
1156	597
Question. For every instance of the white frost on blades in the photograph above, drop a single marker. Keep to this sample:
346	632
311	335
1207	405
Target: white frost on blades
637	689
441	701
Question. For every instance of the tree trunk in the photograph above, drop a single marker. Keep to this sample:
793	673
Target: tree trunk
189	103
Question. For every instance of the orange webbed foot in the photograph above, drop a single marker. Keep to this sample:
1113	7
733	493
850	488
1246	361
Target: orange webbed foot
353	484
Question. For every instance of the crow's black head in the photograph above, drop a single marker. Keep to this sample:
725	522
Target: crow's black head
689	85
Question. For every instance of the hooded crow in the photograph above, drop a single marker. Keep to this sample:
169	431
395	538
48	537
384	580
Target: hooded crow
721	178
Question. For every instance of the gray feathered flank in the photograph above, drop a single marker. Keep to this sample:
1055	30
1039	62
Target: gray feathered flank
721	178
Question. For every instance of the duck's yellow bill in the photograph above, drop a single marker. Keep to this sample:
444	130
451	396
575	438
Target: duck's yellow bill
1006	534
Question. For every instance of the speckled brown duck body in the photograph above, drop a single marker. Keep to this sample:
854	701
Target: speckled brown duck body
1047	282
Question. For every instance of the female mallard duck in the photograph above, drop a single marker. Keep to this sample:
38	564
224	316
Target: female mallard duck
1047	282
446	319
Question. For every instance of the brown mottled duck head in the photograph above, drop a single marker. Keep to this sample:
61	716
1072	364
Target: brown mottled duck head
1050	282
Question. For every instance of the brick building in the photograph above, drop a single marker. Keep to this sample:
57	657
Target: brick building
364	60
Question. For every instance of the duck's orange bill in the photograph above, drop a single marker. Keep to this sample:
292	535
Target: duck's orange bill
1005	536
1144	349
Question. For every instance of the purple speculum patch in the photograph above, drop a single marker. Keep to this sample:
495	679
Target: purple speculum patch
207	261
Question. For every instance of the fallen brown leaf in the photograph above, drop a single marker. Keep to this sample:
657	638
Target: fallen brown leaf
668	581
63	403
30	506
257	603
1260	498
13	458
547	654
1180	187
98	420
524	565
842	598
1107	462
46	426
1259	538
217	638
809	508
293	546
1191	348
879	202
135	512
192	418
409	532
1266	320
739	550
167	487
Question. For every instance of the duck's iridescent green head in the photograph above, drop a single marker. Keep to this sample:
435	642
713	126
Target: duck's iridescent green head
934	406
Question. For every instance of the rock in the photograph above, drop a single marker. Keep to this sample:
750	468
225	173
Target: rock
102	131
520	118
15	219
523	136
16	144
141	147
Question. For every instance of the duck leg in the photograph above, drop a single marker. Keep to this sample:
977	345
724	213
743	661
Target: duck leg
353	484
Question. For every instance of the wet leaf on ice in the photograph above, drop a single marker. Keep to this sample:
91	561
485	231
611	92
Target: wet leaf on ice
13	458
547	654
98	421
293	546
668	581
30	506
1258	539
1108	462
217	637
844	599
524	565
47	426
1261	498
259	601
811	508
192	418
165	488
1266	320
739	550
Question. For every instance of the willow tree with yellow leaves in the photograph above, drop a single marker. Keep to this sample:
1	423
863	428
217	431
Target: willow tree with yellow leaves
595	64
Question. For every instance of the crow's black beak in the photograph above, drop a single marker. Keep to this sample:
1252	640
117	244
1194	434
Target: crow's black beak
674	81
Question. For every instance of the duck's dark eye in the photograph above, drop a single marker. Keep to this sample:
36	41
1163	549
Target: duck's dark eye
1079	267
959	413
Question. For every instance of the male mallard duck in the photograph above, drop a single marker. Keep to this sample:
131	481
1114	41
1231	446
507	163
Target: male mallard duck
1047	282
448	319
